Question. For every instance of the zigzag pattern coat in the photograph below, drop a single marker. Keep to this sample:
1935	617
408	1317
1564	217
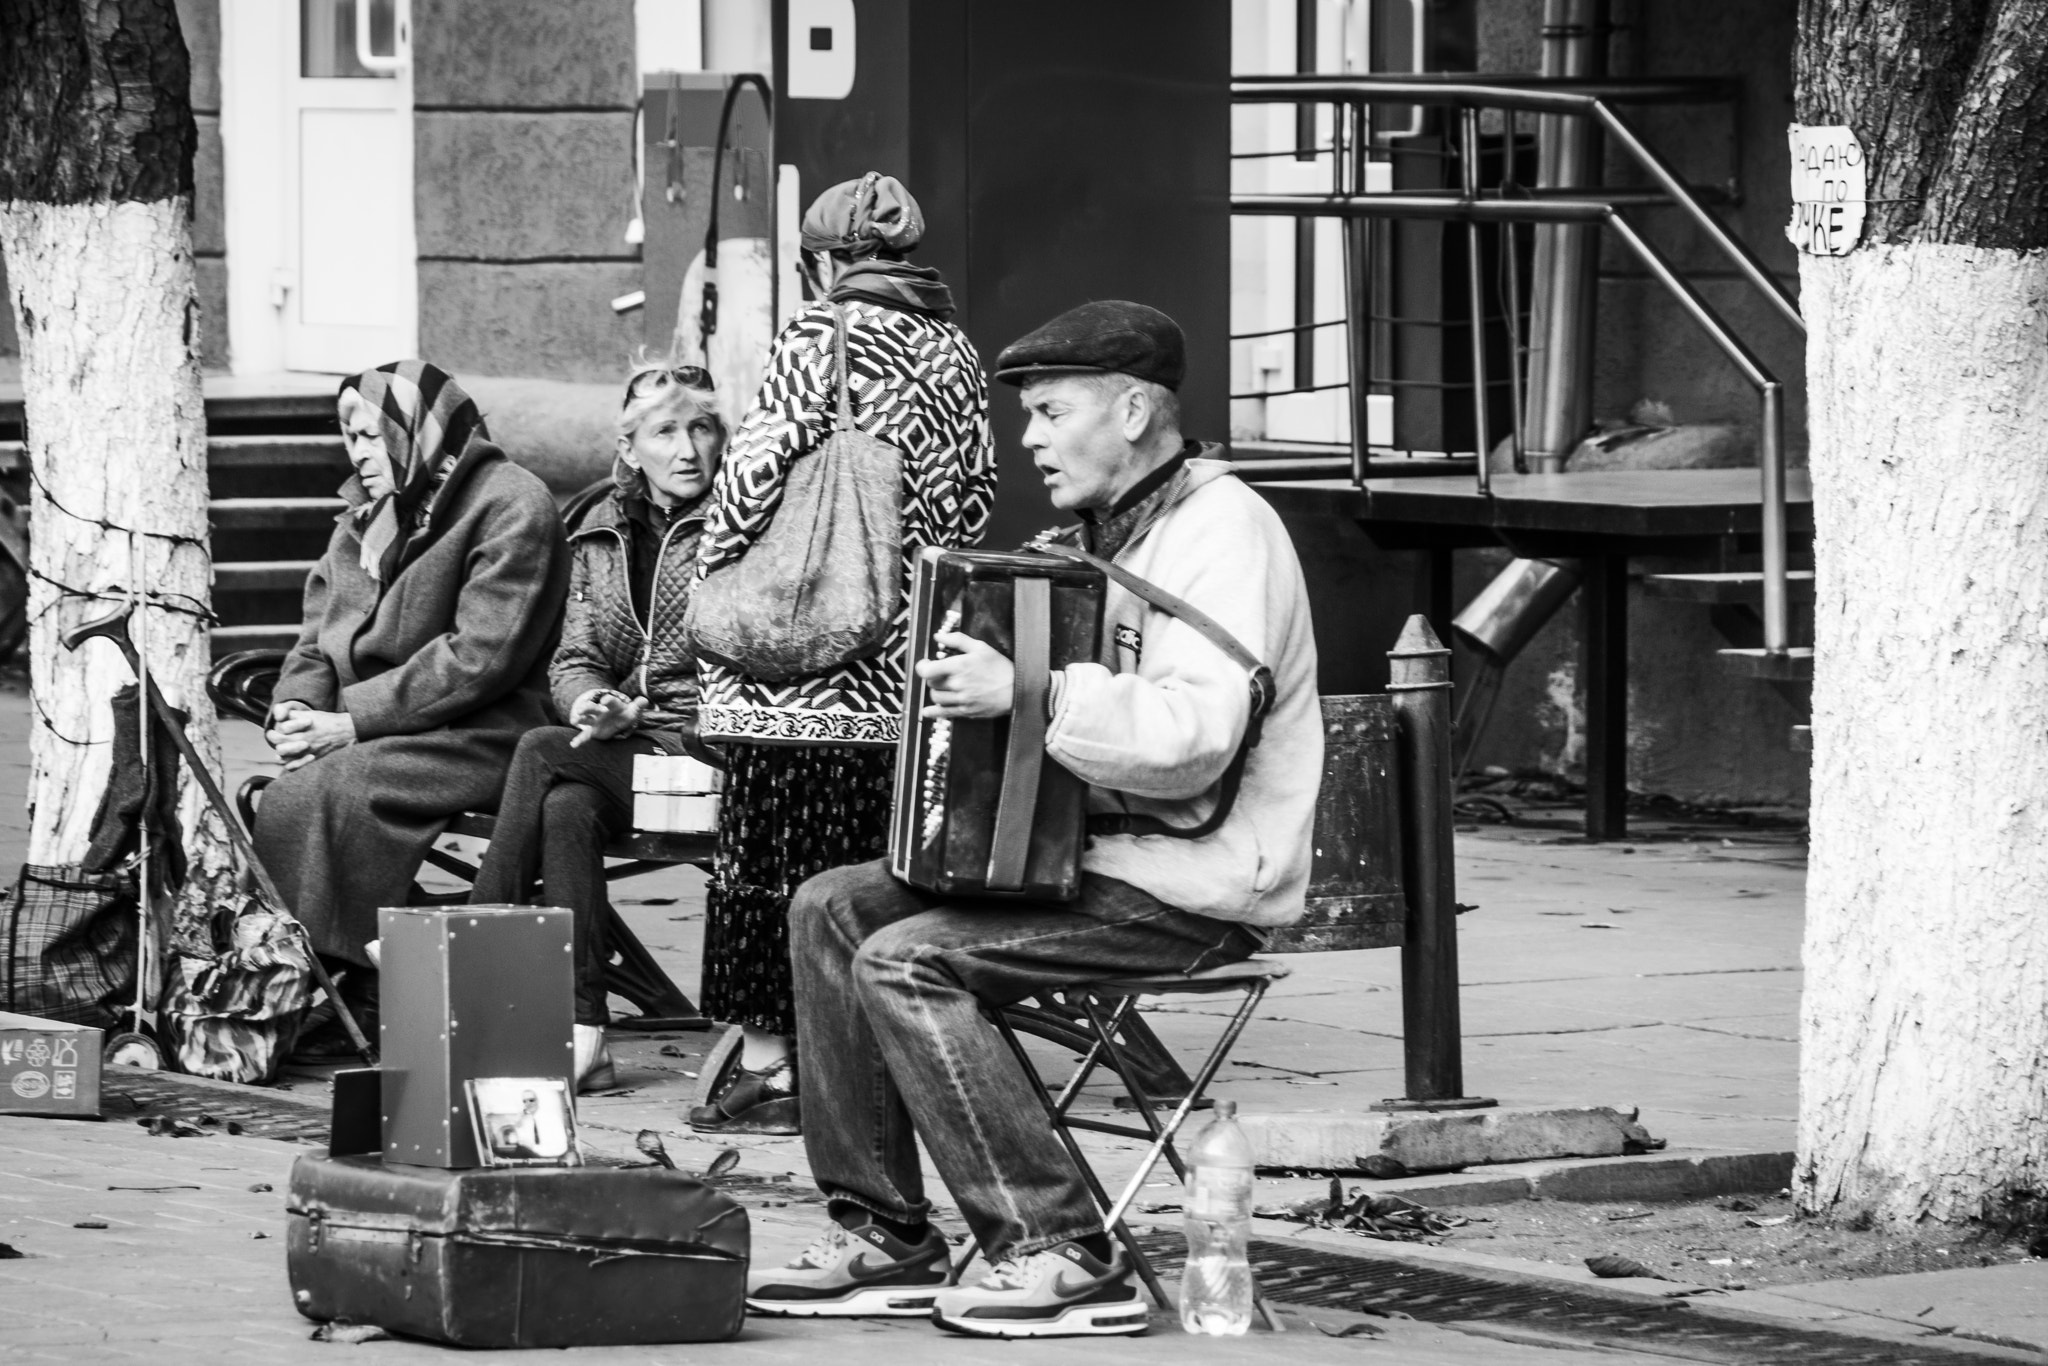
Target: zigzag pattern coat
917	384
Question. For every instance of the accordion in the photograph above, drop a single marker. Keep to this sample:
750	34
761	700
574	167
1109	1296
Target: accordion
980	810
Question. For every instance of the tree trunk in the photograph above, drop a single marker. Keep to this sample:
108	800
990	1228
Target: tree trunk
1924	1044
96	138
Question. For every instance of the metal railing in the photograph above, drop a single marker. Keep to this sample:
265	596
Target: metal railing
1472	207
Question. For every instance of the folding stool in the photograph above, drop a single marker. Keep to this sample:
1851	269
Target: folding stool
1105	1004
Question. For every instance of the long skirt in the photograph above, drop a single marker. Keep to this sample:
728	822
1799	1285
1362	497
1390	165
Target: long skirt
790	813
344	836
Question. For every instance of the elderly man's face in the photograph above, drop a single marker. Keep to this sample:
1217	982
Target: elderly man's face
1078	433
362	431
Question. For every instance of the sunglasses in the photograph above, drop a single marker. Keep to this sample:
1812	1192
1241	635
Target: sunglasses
688	376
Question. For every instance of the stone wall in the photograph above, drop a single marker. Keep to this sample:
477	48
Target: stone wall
523	136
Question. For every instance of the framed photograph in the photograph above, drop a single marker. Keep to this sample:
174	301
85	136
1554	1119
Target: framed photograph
523	1121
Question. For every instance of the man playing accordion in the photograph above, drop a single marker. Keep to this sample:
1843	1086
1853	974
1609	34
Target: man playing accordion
891	982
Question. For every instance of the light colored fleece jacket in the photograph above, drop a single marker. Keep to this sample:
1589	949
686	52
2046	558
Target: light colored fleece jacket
1153	725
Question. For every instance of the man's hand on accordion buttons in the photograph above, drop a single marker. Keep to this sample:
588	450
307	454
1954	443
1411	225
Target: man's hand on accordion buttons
973	681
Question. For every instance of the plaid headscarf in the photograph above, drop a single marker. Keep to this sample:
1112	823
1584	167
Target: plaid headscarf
428	423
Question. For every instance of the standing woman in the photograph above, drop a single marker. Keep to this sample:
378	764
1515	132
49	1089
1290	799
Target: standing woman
623	677
810	761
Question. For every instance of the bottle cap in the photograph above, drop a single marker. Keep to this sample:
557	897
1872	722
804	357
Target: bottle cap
1225	1109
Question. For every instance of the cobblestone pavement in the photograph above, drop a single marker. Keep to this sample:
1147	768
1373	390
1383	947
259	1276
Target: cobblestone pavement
189	1267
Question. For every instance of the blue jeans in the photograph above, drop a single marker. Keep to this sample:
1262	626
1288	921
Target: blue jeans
890	987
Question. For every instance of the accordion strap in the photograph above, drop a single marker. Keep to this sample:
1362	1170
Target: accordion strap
1262	688
1017	807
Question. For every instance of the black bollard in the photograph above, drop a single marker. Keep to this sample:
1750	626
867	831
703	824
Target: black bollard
1420	687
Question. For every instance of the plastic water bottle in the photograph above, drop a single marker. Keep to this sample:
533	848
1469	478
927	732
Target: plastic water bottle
1216	1289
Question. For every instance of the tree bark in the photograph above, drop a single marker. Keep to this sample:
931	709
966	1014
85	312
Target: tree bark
1924	1041
96	139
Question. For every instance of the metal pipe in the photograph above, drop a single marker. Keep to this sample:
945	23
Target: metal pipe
1771	465
1468	154
1562	290
1279	87
1513	312
1420	691
1357	304
1552	101
1446	208
1653	261
1732	246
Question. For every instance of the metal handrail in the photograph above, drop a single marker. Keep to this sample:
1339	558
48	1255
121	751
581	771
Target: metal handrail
1533	94
1469	208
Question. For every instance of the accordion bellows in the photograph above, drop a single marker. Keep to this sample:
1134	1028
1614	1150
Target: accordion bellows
977	815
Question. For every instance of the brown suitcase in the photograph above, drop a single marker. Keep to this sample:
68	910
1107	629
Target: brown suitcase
964	792
516	1256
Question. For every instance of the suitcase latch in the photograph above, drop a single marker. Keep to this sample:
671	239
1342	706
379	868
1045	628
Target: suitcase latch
313	1225
415	1246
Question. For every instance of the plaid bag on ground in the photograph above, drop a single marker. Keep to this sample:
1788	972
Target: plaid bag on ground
69	937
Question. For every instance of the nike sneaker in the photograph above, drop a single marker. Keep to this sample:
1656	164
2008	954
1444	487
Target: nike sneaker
864	1272
1064	1291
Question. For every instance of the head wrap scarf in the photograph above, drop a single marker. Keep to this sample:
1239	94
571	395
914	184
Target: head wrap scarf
874	221
428	423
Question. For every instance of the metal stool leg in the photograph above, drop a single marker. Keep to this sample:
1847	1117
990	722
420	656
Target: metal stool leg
1056	1115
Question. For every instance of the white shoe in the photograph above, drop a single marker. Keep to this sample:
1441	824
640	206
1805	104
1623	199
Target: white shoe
594	1071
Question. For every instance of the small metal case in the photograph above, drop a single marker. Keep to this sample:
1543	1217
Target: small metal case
467	992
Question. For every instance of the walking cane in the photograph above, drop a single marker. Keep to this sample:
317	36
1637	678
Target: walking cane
146	931
113	627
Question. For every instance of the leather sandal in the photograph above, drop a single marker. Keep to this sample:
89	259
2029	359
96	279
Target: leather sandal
752	1105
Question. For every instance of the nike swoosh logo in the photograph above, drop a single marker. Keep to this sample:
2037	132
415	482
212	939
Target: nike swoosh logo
859	1271
1067	1291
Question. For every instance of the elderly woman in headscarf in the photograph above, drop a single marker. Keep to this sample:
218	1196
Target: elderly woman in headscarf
422	659
623	676
810	761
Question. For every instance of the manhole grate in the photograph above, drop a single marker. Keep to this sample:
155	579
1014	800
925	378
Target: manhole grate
128	1092
1315	1278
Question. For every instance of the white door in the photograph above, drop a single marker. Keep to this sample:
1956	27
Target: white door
349	291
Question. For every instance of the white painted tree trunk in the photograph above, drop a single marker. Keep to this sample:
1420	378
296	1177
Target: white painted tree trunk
1924	1042
106	309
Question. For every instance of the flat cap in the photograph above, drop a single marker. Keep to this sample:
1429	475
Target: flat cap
1111	335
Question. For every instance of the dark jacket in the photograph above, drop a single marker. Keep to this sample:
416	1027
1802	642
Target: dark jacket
605	642
461	636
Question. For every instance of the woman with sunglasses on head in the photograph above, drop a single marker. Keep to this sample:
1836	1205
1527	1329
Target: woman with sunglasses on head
622	677
810	761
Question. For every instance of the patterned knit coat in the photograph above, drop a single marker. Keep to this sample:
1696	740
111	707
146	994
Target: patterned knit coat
917	384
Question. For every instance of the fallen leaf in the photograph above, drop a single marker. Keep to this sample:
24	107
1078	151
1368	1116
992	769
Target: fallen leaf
1772	1222
1614	1266
669	1050
8	1252
350	1333
261	1186
90	1223
234	1128
1352	1330
1595	925
155	1188
1739	1206
1636	1214
259	1235
726	1160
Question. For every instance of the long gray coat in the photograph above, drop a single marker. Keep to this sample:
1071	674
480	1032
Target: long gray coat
442	672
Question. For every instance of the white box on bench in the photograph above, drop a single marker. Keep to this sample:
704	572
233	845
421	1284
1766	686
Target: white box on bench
675	794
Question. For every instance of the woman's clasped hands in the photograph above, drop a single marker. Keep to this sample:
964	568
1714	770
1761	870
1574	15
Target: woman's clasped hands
300	734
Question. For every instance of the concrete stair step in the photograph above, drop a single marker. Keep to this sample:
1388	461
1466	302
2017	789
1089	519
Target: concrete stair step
1794	665
226	640
274	514
261	576
1743	587
243	451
